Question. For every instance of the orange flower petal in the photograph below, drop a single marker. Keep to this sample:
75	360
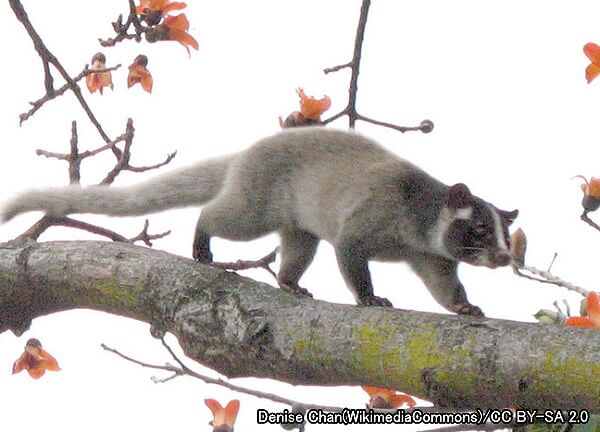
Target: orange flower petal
36	373
591	72
386	398
592	51
593	307
147	82
144	4
398	400
139	74
179	22
581	322
154	5
223	416
172	6
48	362
92	82
183	38
593	187
35	360
21	363
313	108
231	412
96	81
373	391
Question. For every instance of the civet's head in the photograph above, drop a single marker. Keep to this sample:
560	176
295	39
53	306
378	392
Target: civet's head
476	231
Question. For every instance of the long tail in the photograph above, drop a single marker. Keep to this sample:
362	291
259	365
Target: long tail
189	186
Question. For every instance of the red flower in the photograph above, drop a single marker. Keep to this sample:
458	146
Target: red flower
591	193
98	80
592	320
592	51
223	418
35	360
173	28
312	108
592	187
139	74
162	6
387	399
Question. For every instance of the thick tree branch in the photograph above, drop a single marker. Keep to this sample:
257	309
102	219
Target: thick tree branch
240	327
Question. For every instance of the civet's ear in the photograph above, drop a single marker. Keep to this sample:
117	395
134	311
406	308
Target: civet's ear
459	196
509	216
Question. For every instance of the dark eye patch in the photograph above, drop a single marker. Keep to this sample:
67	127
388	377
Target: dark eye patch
468	238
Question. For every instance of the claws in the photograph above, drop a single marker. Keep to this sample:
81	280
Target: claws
468	309
375	301
296	290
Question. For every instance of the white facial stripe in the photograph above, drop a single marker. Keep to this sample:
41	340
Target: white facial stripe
464	213
438	234
499	230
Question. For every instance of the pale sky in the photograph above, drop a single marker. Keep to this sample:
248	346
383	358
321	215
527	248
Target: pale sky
503	81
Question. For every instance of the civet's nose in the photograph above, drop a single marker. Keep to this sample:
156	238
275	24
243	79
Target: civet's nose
501	258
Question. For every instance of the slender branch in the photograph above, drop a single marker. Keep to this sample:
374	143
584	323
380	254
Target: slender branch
145	237
169	158
586	219
36	105
48	57
48	221
549	278
122	30
184	370
350	110
248	264
358	40
94	229
138	362
337	68
74	158
123	160
425	126
335	116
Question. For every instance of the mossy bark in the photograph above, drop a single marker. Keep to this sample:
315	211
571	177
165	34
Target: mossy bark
240	327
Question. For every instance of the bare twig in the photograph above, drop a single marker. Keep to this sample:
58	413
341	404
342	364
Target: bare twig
552	261
248	264
122	30
350	110
74	159
169	158
94	229
425	126
544	276
337	68
586	219
36	105
47	221
123	162
182	370
48	57
145	237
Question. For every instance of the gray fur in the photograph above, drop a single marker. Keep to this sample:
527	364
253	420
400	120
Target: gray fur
185	187
307	184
